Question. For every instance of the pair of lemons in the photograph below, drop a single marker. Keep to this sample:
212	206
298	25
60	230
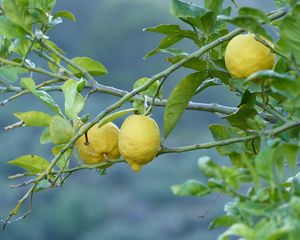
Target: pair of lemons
138	142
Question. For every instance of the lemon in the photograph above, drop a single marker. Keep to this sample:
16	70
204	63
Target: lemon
245	55
102	144
139	140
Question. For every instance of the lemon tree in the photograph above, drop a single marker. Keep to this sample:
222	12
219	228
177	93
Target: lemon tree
233	45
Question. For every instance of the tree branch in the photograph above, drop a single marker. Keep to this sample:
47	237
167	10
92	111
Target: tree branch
208	145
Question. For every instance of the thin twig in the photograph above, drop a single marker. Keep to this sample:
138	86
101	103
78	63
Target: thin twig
15	125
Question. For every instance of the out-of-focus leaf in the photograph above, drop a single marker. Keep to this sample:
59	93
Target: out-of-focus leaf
290	31
255	13
247	23
31	163
190	187
223	221
45	136
60	130
34	118
179	99
208	83
10	73
17	12
10	30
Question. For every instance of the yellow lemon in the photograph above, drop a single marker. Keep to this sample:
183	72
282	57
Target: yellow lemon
139	140
102	144
245	55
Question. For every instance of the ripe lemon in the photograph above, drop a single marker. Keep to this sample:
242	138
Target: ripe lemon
245	55
139	140
102	144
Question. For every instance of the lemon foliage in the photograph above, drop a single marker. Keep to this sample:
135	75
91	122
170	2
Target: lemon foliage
252	54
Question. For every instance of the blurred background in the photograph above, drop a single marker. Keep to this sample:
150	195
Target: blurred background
121	205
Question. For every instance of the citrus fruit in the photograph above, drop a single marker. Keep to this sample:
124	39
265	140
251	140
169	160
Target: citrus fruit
245	55
139	140
101	144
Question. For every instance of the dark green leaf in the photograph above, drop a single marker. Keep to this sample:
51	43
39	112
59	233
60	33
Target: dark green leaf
60	130
34	118
93	67
182	9
240	118
196	63
247	23
254	12
290	31
208	83
179	99
190	187
31	163
164	29
223	132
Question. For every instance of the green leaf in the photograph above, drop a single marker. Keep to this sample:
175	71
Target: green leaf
10	73
10	30
17	12
28	84
114	116
208	167
280	3
182	9
74	102
255	13
179	99
238	229
190	187
290	31
171	39
197	64
290	152
31	163
208	83
65	14
223	221
270	75
44	97
93	67
60	130
34	118
150	91
63	162
45	136
223	132
42	185
240	118
247	23
164	29
264	162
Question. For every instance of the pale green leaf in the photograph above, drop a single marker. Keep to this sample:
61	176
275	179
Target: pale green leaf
34	118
